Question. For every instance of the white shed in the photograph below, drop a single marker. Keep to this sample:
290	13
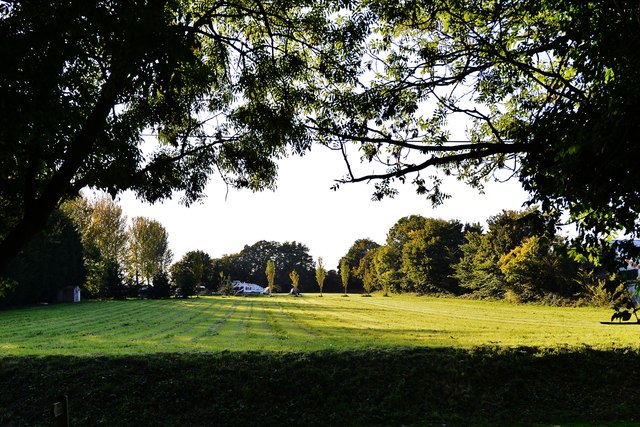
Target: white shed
69	294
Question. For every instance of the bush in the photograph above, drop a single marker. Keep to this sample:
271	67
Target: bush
161	286
556	300
111	281
595	289
226	288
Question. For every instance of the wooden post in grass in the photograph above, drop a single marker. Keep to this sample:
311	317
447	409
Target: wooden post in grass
60	411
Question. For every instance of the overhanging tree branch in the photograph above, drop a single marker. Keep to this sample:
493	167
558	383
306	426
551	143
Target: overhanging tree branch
38	210
487	151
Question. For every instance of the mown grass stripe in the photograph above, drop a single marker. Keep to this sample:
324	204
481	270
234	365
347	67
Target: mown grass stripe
285	323
113	323
312	319
276	323
258	328
197	321
178	314
346	318
467	310
295	320
36	317
224	310
236	326
52	330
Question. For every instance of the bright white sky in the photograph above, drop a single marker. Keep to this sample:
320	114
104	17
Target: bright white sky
304	209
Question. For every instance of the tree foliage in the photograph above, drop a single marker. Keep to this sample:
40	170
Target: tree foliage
158	96
105	235
418	255
250	263
366	272
345	272
148	250
221	87
516	256
385	264
51	261
161	286
102	227
548	89
321	274
389	260
538	267
295	279
270	271
110	280
193	270
400	233
428	257
353	259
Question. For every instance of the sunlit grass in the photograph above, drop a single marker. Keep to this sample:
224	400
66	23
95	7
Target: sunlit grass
285	323
403	360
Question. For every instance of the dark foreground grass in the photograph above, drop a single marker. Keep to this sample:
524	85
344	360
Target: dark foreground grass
423	386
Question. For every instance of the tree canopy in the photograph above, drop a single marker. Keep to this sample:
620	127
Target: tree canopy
321	274
148	250
548	90
518	256
270	271
50	262
250	263
353	260
192	271
102	226
428	258
155	96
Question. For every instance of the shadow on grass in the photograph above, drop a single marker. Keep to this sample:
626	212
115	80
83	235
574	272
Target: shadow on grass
401	386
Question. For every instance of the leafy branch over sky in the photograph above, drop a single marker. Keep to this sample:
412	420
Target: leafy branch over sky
228	88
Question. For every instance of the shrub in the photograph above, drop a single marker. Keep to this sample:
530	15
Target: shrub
161	286
595	289
226	288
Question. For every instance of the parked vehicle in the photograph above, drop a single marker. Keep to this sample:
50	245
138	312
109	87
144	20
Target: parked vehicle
243	288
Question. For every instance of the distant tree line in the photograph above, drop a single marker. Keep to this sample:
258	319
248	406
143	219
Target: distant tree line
122	258
548	90
518	256
250	265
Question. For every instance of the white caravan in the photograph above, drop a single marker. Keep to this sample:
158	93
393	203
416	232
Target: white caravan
246	288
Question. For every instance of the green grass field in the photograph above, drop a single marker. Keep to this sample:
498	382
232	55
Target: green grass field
331	361
285	323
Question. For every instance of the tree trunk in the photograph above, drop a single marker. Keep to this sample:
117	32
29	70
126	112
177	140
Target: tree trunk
37	212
